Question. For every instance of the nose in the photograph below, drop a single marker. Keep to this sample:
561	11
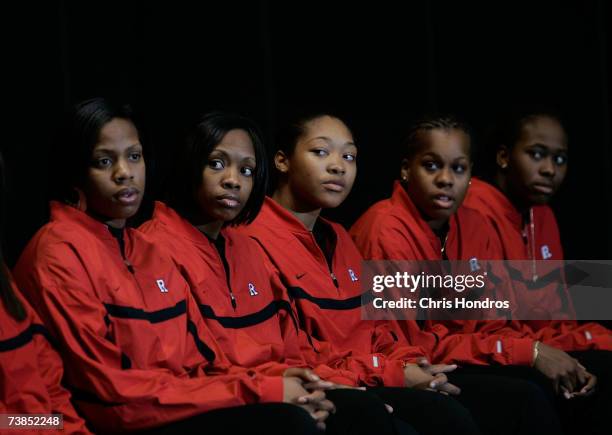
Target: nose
123	171
231	179
336	166
547	167
445	178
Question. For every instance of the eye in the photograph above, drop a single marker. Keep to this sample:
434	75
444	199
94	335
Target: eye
102	162
216	164
430	165
135	156
560	160
247	171
349	157
459	169
320	152
536	154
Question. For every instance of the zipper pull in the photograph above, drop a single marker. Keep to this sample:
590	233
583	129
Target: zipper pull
334	279
233	299
129	266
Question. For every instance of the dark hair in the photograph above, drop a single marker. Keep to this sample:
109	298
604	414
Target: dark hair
187	178
507	132
510	130
290	132
12	304
414	141
73	147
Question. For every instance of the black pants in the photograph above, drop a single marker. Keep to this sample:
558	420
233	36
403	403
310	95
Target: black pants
363	413
505	405
428	412
581	415
357	412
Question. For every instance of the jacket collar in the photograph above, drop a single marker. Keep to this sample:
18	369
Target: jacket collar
178	225
499	201
401	201
63	212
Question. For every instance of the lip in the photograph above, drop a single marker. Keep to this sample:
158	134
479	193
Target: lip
443	201
544	188
228	201
128	196
334	185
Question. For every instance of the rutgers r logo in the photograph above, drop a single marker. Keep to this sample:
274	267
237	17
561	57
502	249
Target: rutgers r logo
162	286
546	254
353	275
252	290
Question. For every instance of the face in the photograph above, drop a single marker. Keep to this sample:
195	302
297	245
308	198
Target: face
321	171
437	177
227	178
537	164
116	175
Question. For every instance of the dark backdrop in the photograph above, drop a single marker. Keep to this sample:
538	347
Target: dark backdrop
380	64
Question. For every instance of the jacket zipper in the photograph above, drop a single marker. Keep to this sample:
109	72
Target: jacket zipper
233	300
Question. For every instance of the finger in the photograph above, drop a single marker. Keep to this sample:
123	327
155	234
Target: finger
321	426
569	381
581	376
450	389
320	385
589	387
326	405
320	416
314	397
389	408
438	380
423	362
443	368
566	393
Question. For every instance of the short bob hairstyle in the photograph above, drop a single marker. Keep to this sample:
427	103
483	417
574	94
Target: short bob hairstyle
73	147
193	158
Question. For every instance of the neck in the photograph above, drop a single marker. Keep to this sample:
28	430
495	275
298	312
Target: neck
436	225
502	184
211	229
306	215
115	223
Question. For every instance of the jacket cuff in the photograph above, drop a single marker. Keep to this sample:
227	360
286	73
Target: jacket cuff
393	374
522	351
271	388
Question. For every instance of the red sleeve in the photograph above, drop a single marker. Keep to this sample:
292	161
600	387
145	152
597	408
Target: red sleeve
111	396
51	371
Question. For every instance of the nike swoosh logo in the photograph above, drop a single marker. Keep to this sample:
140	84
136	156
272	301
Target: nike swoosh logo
300	275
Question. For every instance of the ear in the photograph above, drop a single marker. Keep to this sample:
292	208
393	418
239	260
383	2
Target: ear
78	200
281	162
405	171
503	157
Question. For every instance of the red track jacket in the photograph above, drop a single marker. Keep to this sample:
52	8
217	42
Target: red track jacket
328	303
536	240
31	372
136	351
393	229
252	326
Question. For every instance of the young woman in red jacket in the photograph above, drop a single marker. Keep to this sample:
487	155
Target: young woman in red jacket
425	220
220	183
530	152
137	353
321	268
31	371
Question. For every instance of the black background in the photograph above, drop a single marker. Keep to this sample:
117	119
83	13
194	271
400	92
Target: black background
379	63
